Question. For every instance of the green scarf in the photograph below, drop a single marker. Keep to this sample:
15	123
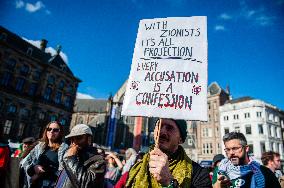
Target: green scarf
180	166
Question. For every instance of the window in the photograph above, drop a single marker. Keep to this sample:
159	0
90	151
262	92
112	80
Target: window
272	131
207	132
248	129
70	88
270	117
21	129
24	70
30	51
216	117
276	132
262	147
33	88
236	116
61	84
258	114
68	101
53	118
7	126
207	148
247	115
6	79
260	128
282	123
20	84
12	109
269	130
226	130
47	93
81	120
237	129
58	97
25	112
276	119
63	121
226	118
36	74
271	146
51	79
11	64
250	148
41	115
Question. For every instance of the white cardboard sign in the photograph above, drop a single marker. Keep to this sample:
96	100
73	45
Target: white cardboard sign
168	77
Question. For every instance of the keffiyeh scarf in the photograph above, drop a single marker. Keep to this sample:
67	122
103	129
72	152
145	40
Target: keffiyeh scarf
234	172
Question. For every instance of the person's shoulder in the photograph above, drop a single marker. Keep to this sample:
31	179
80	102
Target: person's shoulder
265	170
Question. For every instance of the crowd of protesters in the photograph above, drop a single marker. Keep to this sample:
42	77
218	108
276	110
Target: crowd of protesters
50	162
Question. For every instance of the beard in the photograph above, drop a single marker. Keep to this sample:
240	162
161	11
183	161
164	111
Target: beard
237	161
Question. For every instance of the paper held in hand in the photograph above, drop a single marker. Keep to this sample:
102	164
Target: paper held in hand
168	77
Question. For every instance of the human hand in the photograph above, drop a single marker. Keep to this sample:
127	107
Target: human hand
73	150
159	167
222	182
38	169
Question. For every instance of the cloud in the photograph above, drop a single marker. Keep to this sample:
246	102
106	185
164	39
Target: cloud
225	16
50	50
219	28
259	15
83	96
20	4
34	7
31	8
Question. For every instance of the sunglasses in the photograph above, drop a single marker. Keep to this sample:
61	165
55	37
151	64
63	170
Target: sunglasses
53	129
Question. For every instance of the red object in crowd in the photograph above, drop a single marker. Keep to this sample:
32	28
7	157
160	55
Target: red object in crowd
122	181
4	159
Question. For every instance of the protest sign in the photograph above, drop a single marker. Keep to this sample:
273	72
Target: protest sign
168	76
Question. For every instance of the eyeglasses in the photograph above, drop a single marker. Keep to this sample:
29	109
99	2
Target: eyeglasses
56	130
234	149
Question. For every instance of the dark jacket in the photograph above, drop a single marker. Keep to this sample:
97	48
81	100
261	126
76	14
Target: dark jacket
200	177
86	170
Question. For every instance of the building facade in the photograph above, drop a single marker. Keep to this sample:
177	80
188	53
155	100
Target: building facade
260	122
92	112
208	137
35	87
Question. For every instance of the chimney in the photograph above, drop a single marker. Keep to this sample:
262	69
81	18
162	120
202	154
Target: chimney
43	44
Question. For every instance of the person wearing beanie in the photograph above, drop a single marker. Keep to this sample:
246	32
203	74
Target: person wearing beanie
166	164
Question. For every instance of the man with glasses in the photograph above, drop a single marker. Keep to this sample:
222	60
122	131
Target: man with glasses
239	170
83	166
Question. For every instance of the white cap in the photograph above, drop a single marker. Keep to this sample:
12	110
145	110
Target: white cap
78	130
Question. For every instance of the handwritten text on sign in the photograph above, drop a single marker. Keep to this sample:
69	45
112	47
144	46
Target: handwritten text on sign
168	76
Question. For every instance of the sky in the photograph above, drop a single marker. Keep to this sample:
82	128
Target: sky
245	39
